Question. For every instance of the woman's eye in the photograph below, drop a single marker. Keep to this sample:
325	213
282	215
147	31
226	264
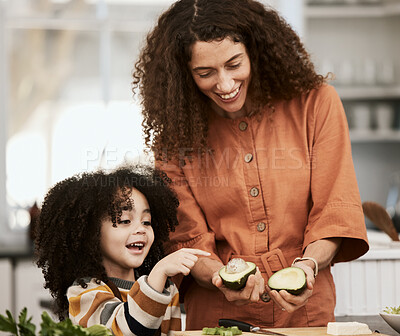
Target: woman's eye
147	223
234	66
205	75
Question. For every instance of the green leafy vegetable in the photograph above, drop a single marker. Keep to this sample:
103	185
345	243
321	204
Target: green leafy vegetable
222	331
392	310
25	327
8	324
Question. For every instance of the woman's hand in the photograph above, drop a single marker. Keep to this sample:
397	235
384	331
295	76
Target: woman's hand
178	262
290	302
250	293
322	251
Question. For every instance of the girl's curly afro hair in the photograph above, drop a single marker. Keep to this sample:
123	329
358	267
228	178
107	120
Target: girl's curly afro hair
67	235
174	109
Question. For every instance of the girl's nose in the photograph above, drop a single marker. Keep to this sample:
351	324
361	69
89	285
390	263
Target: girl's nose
225	83
139	230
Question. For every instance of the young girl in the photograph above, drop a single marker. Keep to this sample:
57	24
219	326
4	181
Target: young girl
99	243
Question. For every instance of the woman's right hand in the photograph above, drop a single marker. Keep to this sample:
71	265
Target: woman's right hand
251	293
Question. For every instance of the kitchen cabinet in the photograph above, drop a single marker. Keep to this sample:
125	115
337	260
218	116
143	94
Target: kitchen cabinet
357	40
30	291
366	286
22	285
6	278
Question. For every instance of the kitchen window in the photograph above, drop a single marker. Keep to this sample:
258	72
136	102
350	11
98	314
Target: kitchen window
66	104
66	99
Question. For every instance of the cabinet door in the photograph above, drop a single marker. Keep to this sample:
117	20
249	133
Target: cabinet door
366	286
5	286
30	291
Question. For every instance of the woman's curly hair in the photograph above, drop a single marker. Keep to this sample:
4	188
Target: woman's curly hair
67	235
174	109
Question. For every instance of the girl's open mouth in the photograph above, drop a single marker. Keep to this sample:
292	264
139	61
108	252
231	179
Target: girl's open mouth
135	246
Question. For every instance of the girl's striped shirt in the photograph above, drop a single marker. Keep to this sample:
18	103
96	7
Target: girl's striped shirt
143	311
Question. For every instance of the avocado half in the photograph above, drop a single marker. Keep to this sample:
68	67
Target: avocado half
291	279
236	280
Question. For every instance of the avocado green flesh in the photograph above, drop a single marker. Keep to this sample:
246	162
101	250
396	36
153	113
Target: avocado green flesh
238	280
291	279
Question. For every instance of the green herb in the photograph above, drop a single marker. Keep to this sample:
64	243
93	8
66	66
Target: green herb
24	326
392	310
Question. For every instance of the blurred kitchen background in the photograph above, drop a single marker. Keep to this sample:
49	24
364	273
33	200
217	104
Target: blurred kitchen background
66	106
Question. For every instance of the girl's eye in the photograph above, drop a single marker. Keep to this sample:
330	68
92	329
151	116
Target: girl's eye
127	221
146	223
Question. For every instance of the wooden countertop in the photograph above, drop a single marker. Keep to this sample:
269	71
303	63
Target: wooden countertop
374	322
310	331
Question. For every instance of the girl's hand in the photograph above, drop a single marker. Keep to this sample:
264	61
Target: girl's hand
178	262
290	302
250	293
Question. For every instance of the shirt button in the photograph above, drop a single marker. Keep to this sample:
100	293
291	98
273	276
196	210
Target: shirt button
248	157
254	192
243	125
261	227
265	297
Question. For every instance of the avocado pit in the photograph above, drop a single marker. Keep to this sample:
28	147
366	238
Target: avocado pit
234	275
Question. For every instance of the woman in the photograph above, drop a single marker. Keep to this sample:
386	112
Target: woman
257	147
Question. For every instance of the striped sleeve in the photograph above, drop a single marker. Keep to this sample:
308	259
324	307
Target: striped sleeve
144	312
172	316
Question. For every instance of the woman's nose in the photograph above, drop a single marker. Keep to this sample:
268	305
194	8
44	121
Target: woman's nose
225	83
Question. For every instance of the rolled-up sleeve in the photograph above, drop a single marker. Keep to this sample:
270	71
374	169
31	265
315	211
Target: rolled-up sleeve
336	209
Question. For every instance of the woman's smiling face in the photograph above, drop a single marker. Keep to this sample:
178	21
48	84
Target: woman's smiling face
222	71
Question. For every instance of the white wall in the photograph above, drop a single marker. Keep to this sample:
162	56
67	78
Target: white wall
3	123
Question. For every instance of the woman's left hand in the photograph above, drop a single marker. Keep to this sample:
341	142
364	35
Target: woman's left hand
249	294
290	302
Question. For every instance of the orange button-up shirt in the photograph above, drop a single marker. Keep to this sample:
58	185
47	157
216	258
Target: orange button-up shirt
273	184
